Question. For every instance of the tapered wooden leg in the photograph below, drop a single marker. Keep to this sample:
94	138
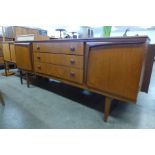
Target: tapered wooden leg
21	76
107	106
28	80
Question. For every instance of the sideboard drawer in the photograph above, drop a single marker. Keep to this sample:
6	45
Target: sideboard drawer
59	59
68	73
61	47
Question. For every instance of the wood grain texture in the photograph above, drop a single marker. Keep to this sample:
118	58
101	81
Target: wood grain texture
1	60
1	54
1	49
60	59
68	73
107	106
64	47
12	53
116	70
6	52
24	57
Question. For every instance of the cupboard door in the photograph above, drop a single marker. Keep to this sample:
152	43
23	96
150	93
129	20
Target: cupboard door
6	52
116	70
23	56
1	60
12	53
1	49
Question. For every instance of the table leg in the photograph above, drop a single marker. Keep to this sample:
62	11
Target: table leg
107	106
28	80
21	76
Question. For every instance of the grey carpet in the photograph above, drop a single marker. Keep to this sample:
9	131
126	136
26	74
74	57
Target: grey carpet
55	105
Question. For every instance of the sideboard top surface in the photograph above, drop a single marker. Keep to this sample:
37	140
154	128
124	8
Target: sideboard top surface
129	39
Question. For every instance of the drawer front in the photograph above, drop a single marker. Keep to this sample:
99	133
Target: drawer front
59	47
71	74
59	59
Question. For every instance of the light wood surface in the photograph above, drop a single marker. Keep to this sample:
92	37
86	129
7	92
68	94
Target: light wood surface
23	57
1	60
116	70
111	69
6	52
12	53
1	49
59	59
107	106
66	48
9	52
68	73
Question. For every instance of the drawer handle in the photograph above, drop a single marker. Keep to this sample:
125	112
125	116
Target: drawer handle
72	61
38	48
72	74
72	49
38	57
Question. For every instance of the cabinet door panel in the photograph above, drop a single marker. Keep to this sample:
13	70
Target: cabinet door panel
23	57
1	60
116	70
12	52
6	52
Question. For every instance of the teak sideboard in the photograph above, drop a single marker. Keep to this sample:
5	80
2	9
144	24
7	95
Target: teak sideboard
112	67
9	56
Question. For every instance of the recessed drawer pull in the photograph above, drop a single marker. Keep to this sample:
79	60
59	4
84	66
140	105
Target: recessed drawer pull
72	61
38	48
72	74
72	49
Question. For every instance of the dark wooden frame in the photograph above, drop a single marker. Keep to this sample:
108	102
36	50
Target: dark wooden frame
148	68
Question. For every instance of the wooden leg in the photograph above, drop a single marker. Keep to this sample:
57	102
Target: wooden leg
107	106
28	80
21	76
6	67
15	65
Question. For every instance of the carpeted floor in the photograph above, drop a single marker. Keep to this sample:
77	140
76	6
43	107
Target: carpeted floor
56	105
